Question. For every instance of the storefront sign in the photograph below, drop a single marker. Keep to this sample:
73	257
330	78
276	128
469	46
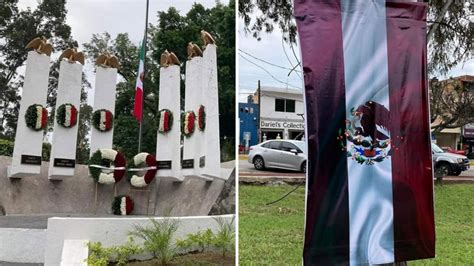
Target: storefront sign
469	131
281	124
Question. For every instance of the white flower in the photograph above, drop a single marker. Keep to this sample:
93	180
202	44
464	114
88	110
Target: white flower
140	158
108	154
138	181
102	120
162	121
106	178
67	119
186	122
39	114
123	206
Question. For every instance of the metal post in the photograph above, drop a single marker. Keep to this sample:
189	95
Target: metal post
259	112
144	78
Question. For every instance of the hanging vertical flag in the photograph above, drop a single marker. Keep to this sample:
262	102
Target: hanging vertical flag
369	178
137	107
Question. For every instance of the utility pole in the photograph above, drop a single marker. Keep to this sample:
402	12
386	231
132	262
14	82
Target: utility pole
259	95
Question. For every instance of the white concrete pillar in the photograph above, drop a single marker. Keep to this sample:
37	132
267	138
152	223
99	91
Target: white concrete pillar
193	145
210	96
28	143
63	152
168	145
104	98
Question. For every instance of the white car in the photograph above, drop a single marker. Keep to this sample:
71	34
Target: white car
282	154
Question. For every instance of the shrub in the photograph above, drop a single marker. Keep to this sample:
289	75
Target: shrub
158	238
224	239
201	240
100	256
6	149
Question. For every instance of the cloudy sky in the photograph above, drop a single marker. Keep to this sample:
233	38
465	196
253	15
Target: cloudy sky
87	17
270	49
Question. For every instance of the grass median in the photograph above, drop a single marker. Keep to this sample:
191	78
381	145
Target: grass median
273	234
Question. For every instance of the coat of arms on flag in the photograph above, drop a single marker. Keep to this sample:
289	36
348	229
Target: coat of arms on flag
367	136
369	178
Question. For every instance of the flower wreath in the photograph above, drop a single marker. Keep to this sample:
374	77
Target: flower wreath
66	115
165	121
36	117
122	205
202	118
103	120
144	161
187	126
101	160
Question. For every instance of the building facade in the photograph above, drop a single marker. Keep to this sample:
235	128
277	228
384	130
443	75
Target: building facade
248	119
278	113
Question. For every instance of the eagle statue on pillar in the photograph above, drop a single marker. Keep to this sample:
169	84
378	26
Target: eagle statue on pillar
168	59
72	55
108	61
40	45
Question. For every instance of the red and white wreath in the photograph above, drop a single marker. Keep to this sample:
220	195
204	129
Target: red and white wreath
144	161
122	205
165	118
202	118
188	123
36	117
103	120
101	170
66	115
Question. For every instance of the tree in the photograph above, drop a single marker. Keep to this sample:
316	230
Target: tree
450	28
451	103
17	28
173	32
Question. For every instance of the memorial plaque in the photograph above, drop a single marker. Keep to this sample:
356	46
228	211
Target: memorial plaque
61	162
163	164
202	161
30	159
187	164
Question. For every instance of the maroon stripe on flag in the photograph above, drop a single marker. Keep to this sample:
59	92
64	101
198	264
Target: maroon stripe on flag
327	206
412	180
137	107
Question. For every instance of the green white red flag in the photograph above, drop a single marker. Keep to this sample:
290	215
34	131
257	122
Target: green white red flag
138	106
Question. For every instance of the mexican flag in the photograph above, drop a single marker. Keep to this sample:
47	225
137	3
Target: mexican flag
137	107
369	194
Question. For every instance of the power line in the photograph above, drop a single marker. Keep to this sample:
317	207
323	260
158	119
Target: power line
270	74
266	62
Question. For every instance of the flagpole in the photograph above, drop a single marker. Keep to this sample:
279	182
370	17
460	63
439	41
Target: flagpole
144	78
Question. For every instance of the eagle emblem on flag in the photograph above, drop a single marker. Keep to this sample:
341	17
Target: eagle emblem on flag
367	133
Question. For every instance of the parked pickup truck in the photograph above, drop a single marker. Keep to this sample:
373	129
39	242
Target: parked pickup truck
448	163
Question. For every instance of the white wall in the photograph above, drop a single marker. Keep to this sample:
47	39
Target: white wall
268	105
111	231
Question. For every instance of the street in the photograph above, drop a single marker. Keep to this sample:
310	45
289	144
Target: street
248	173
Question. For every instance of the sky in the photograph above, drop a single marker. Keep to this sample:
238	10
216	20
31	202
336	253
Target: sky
87	17
270	49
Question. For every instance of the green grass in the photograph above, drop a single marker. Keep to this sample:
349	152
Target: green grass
273	235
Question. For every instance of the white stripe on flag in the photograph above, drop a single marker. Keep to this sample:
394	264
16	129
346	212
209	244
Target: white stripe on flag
366	79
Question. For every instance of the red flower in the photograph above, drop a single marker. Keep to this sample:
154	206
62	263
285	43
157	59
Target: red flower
44	118
73	115
128	205
166	121
150	174
191	119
